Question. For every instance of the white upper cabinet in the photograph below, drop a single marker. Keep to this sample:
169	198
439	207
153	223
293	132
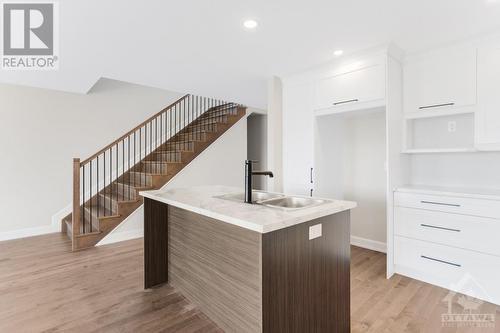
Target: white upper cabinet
298	138
440	81
350	88
488	111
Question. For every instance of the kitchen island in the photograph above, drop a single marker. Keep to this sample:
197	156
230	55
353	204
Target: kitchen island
251	267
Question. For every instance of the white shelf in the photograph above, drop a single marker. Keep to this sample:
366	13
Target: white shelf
438	113
478	193
439	150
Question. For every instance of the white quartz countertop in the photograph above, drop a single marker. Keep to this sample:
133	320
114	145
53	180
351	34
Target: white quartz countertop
203	200
488	194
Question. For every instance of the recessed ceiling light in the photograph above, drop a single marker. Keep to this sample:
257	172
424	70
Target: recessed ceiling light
338	53
250	24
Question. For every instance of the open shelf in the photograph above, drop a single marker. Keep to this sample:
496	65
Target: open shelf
440	133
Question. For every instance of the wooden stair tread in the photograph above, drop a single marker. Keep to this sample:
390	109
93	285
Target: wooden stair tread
69	225
133	187
99	211
121	196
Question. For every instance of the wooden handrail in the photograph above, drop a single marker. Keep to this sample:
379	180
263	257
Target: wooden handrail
96	179
132	131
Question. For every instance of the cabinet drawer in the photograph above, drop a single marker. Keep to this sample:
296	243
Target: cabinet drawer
457	205
460	270
464	231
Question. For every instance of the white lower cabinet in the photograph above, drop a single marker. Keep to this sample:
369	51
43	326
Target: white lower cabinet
449	241
462	231
468	272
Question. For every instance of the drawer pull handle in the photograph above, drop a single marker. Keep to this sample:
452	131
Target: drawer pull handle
437	227
439	203
436	106
344	102
441	261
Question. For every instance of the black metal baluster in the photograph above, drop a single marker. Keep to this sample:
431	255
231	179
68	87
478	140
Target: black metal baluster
161	136
135	155
156	142
83	208
140	150
190	103
129	182
116	171
110	173
143	180
196	113
90	198
184	127
123	166
104	188
205	114
189	116
97	191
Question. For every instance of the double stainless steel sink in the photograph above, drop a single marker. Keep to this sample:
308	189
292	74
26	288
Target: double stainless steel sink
274	200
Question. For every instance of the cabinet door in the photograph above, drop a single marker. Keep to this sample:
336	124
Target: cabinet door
362	85
488	111
298	138
441	81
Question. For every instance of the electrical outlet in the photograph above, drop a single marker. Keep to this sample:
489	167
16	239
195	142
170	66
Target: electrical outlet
315	231
452	126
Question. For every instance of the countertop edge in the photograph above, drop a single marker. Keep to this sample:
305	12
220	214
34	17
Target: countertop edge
242	223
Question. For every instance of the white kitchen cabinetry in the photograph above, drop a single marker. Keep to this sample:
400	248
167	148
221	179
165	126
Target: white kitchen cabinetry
442	81
353	87
449	238
488	111
298	138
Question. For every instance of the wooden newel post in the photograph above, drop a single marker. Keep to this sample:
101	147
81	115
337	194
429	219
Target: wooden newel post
76	201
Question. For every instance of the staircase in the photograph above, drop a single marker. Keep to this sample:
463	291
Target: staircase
106	185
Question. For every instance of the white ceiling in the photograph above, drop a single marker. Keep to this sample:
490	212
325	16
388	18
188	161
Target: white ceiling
199	46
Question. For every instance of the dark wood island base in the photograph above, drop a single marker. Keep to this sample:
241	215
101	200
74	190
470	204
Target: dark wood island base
245	281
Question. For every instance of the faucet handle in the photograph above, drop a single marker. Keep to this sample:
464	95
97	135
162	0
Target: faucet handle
251	161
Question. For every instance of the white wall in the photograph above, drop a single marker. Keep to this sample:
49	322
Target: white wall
257	146
365	175
41	131
350	156
222	163
464	170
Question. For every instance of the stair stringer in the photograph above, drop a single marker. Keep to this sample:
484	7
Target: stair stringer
132	226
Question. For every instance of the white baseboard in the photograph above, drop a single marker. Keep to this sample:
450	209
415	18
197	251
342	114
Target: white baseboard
59	216
28	232
120	236
369	244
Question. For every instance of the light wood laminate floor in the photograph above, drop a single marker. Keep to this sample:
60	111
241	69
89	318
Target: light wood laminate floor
46	288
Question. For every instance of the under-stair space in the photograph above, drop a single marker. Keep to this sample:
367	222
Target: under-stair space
106	186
